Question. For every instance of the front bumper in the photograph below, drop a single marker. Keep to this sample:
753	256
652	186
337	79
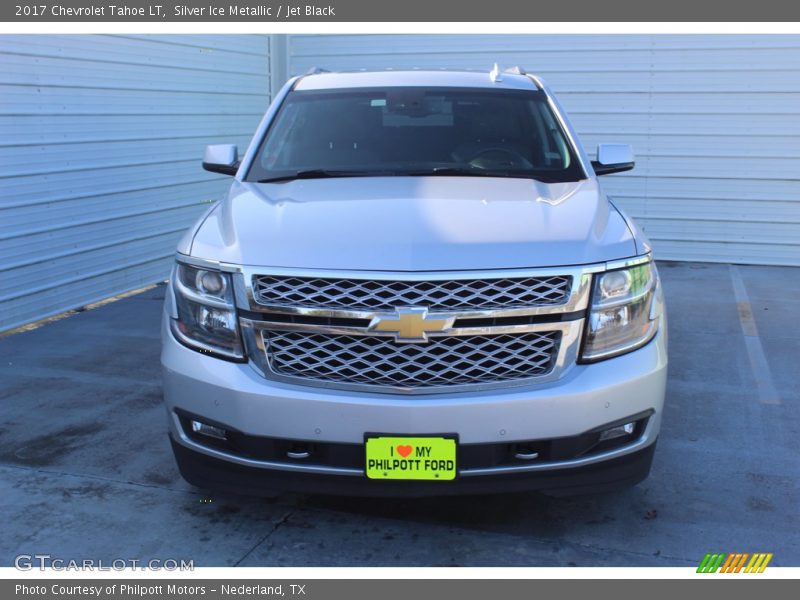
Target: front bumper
585	398
213	473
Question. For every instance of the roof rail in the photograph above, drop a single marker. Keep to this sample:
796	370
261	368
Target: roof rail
536	81
311	71
495	75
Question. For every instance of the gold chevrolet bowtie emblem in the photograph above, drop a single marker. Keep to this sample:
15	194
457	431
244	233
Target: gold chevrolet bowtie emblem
410	324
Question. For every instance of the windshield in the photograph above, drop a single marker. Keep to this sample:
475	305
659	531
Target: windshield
415	131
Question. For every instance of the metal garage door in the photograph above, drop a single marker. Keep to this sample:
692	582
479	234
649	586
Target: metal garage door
100	145
714	121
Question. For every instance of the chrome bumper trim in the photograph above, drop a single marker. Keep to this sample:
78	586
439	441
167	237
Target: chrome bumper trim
645	440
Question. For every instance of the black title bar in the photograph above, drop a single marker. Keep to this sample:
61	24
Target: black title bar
204	11
701	586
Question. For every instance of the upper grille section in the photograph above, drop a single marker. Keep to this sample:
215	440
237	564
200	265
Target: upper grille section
379	295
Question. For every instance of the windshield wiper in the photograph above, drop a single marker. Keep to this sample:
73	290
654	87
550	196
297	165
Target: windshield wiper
322	174
432	172
477	172
446	171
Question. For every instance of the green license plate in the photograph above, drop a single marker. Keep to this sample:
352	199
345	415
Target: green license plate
428	458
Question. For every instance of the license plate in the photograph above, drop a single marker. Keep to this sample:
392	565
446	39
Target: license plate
428	458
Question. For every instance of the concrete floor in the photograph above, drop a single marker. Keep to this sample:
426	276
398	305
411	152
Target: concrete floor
86	470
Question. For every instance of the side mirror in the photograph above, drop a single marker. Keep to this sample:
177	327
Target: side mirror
613	158
221	158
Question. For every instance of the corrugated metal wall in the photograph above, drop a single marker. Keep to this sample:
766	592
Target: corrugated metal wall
714	121
101	139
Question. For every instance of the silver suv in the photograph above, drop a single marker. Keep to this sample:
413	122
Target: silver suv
415	286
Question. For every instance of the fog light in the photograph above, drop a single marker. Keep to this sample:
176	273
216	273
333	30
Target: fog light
209	430
617	432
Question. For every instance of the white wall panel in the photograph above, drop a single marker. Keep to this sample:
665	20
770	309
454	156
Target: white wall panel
714	121
101	139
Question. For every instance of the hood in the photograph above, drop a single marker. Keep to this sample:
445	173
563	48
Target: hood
414	224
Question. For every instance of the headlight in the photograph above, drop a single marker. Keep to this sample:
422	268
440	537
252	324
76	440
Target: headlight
621	318
206	311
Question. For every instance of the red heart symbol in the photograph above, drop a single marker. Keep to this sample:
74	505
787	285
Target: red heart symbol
404	451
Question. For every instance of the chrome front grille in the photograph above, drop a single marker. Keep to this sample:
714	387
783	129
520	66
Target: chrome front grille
416	333
441	361
444	295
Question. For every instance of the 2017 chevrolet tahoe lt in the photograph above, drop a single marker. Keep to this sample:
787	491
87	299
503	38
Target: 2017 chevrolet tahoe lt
416	285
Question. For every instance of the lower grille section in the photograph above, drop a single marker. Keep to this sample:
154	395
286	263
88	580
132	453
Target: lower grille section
442	361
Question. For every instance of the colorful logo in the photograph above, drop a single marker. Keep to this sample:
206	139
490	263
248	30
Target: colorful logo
735	562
